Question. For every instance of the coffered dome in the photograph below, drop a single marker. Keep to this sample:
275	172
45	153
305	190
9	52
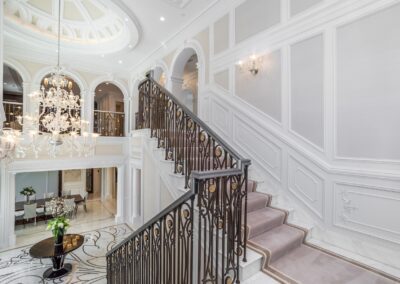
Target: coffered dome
84	23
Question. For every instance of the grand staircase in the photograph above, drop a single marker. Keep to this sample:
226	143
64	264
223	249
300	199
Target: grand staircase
204	235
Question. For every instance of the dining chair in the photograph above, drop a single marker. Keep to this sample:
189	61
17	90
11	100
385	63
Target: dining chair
66	192
48	195
85	197
19	215
70	206
30	212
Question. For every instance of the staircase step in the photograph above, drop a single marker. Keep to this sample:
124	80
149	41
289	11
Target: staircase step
279	241
256	201
263	220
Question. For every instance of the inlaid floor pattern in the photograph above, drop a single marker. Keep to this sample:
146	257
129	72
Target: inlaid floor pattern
88	262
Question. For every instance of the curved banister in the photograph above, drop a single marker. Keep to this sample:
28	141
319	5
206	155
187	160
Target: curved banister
200	122
162	250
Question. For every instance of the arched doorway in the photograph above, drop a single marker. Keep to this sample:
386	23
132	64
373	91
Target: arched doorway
185	78
109	115
12	97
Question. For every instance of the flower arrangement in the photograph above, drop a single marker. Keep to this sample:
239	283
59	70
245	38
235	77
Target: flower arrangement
58	227
28	191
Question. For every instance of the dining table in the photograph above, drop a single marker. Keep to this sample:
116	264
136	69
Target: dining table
19	206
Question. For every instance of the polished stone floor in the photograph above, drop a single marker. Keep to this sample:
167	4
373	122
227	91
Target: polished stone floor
88	262
98	213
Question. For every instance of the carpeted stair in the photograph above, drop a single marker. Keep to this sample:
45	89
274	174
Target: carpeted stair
289	259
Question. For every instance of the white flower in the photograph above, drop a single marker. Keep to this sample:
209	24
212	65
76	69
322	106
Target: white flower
61	225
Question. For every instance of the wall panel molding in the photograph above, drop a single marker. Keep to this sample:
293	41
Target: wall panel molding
353	210
306	186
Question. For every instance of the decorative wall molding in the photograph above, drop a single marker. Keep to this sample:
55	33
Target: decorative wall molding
353	209
306	186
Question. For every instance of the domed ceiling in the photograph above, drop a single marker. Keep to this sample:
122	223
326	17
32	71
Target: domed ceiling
84	23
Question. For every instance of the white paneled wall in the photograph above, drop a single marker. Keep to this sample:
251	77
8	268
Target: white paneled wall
264	90
368	85
307	90
320	120
254	16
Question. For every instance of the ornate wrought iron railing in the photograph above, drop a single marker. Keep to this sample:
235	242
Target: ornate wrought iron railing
186	243
12	110
108	123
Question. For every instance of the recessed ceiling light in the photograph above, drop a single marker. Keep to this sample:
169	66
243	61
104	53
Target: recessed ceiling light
120	61
162	19
130	46
126	20
102	55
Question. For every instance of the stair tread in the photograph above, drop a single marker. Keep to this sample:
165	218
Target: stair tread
263	220
256	200
323	268
279	241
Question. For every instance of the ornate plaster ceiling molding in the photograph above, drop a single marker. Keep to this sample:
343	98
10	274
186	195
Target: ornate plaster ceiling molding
85	24
178	3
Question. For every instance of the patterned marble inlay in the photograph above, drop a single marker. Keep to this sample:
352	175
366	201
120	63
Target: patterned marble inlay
88	262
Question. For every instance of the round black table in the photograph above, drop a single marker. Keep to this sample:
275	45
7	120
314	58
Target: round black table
57	253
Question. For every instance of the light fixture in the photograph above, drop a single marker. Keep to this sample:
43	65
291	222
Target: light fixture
57	114
126	20
120	61
162	19
102	56
253	65
8	141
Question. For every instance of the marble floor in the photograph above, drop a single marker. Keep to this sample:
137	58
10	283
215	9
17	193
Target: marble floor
88	262
99	214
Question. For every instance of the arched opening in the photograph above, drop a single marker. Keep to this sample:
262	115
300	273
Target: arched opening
76	91
12	97
185	78
160	76
108	115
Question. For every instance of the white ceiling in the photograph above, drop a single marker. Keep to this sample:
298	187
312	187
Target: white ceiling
99	35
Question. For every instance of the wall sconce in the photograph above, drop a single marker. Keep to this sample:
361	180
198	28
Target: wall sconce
253	65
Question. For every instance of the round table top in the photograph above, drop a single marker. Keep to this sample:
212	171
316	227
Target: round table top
47	249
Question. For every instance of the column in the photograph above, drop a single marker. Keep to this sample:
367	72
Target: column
119	217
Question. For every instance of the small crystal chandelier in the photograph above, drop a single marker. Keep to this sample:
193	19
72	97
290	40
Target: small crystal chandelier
8	141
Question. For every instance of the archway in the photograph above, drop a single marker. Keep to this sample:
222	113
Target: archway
12	97
185	78
109	110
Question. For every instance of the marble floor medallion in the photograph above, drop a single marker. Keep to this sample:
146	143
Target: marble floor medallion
88	262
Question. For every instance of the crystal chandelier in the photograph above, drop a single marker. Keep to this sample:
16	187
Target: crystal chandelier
58	112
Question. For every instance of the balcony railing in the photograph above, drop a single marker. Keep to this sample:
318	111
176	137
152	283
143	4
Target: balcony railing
12	110
108	123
